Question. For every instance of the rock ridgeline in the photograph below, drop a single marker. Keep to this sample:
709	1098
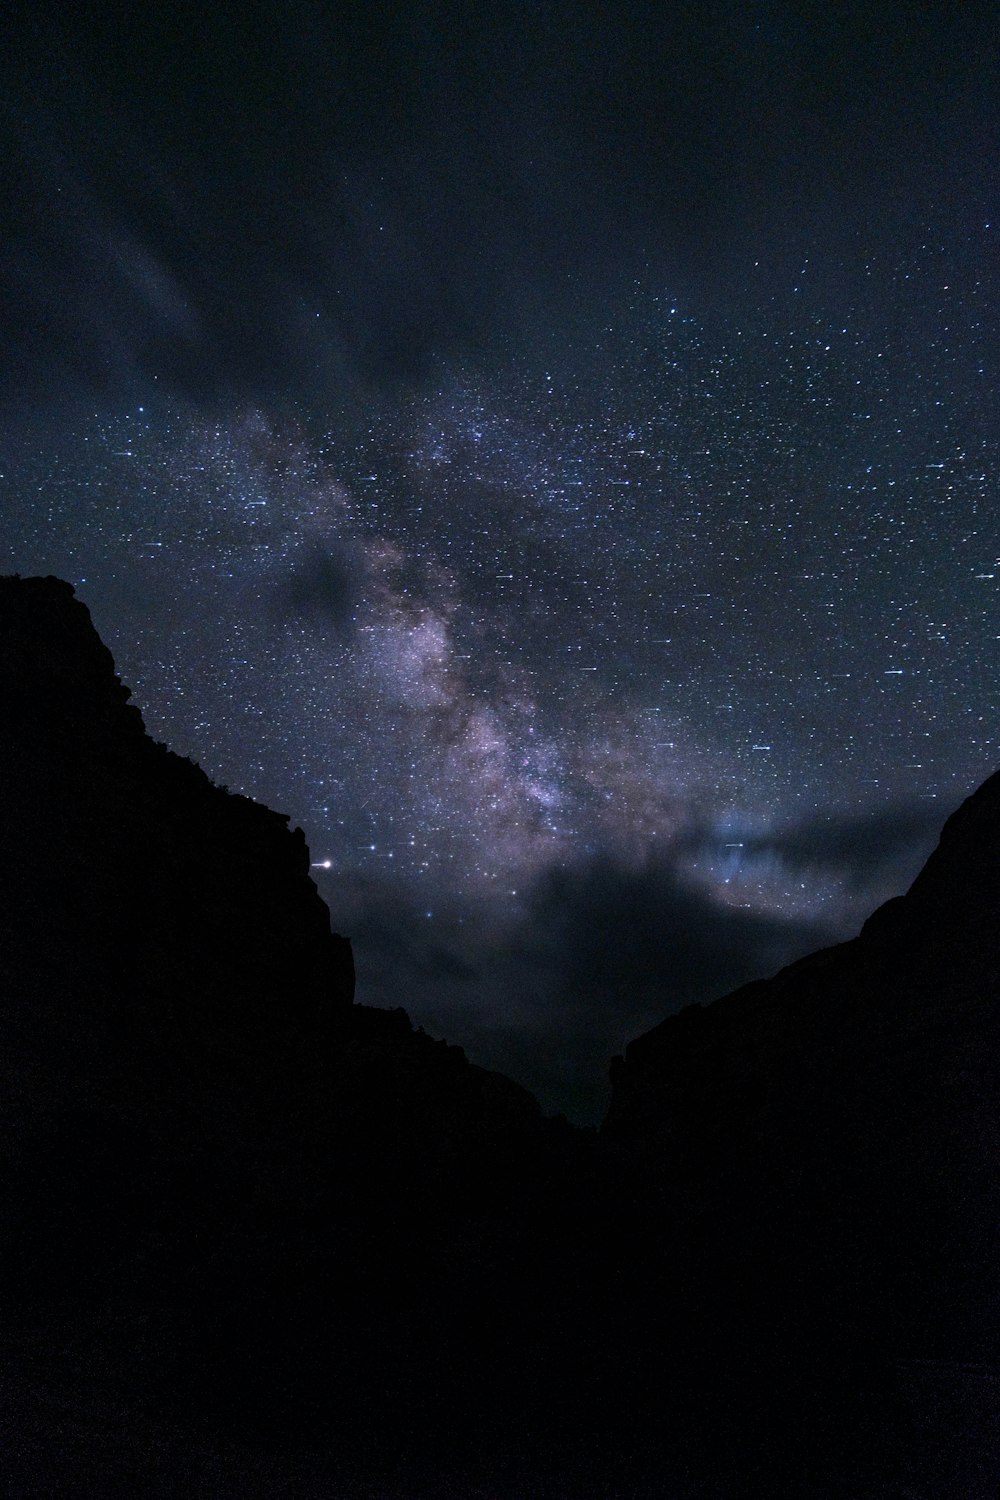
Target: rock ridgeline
221	1175
923	973
259	1239
829	1139
845	1115
132	877
155	927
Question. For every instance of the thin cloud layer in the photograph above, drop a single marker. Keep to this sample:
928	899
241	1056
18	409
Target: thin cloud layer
598	953
860	849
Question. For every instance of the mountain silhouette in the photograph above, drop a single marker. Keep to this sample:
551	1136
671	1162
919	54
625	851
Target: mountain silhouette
260	1239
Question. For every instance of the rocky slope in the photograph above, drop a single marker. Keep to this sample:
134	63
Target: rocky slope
856	1095
830	1139
228	1191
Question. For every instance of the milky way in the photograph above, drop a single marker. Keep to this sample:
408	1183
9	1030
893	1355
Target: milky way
697	623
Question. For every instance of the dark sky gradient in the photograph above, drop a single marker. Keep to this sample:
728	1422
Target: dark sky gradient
551	452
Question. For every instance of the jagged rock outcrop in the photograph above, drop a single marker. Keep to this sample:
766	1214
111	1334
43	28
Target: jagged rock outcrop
132	883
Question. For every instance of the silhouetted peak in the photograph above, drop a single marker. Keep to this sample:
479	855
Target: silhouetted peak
54	665
242	1215
898	962
134	885
965	866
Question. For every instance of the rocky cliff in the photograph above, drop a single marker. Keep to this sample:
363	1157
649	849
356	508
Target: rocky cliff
228	1191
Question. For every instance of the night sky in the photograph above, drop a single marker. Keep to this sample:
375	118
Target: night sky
550	451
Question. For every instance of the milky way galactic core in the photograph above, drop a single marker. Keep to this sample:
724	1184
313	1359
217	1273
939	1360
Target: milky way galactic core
554	460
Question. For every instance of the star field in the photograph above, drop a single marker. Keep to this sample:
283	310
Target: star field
572	500
663	602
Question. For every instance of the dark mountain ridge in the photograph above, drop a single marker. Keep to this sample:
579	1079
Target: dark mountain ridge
203	1133
260	1239
871	1068
829	1139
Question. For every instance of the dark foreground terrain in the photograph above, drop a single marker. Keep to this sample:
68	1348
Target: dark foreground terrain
261	1241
